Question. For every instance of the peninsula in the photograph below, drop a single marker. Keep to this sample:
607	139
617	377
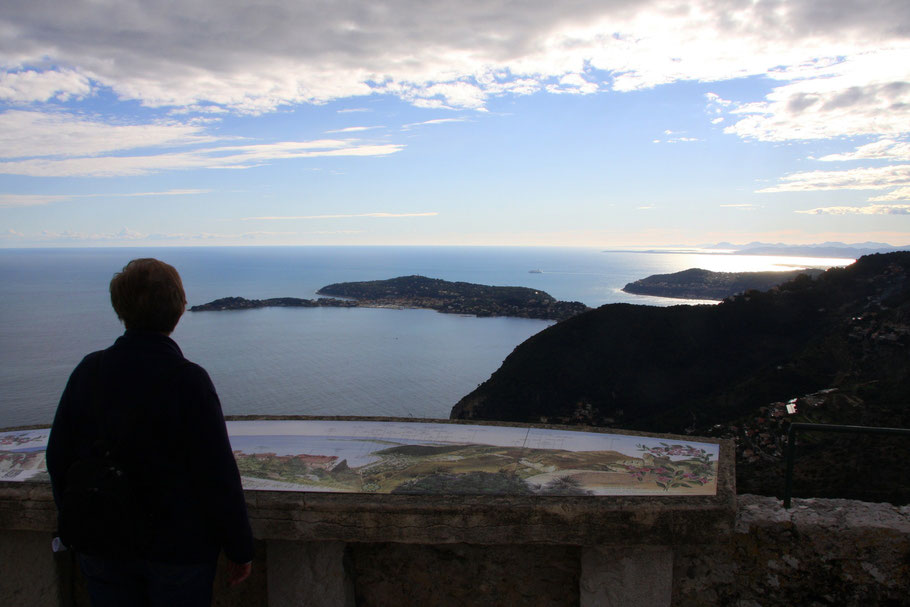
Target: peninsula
420	292
696	283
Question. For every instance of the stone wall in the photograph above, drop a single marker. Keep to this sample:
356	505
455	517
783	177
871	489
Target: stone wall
820	552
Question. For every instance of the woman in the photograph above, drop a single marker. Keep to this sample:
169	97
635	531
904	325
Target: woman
153	418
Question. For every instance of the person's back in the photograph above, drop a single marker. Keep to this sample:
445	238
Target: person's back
160	416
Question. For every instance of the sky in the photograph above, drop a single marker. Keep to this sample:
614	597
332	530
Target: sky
603	123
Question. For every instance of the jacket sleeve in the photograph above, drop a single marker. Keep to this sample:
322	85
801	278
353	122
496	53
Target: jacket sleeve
217	470
61	446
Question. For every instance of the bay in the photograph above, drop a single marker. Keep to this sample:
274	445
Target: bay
55	308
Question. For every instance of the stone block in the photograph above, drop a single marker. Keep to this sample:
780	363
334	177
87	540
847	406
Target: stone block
626	576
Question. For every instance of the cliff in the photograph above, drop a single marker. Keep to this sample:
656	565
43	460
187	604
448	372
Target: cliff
712	370
696	283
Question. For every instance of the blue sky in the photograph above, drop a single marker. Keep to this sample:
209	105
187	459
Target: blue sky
606	124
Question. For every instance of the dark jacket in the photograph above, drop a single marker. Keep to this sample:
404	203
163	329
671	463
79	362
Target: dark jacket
165	418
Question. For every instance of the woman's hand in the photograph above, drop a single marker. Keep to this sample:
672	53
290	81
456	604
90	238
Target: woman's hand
238	572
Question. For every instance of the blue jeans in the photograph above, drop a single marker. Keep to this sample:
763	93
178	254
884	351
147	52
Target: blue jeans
116	583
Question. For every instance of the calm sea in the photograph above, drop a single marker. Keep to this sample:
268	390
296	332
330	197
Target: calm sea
54	308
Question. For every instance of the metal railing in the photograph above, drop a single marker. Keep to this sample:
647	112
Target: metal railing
791	443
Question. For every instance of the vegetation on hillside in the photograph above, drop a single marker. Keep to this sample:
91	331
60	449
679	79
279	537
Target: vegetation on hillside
696	283
712	370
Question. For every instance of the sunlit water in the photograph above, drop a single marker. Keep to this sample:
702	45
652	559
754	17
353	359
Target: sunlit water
54	308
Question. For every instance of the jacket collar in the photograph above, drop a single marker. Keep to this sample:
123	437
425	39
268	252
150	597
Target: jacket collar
146	339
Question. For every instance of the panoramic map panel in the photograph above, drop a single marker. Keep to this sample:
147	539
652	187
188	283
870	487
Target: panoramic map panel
22	455
416	457
434	458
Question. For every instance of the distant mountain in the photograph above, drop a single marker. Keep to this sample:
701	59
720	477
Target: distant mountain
837	250
696	283
840	343
825	249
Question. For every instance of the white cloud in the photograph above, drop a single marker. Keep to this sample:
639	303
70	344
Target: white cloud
183	192
895	195
873	209
354	129
574	84
344	216
877	178
407	127
230	54
884	149
223	157
867	93
26	134
129	235
28	200
31	85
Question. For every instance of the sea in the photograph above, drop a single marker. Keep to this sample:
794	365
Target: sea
55	308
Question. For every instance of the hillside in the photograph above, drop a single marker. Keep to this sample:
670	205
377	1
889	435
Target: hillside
419	292
696	283
712	370
456	297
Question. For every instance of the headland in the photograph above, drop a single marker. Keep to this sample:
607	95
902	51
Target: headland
422	293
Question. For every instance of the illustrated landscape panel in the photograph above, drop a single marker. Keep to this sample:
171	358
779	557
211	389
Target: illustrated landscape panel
435	458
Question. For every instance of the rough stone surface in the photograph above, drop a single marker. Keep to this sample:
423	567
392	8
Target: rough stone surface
251	593
28	572
308	574
457	575
626	576
820	552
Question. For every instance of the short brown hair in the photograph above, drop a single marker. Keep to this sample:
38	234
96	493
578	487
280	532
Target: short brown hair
148	294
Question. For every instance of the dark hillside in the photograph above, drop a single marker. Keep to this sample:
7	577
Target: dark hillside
696	283
705	369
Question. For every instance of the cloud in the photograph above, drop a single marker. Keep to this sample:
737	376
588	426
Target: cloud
574	84
29	200
873	209
126	234
31	85
354	129
737	206
32	133
867	93
407	127
884	149
230	54
176	192
902	193
344	216
672	139
877	178
222	157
